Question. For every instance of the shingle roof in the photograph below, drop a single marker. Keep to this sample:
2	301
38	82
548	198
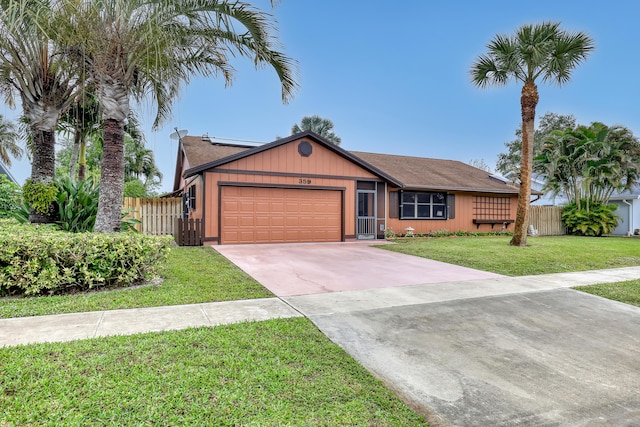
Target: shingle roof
200	151
633	193
4	170
405	171
436	174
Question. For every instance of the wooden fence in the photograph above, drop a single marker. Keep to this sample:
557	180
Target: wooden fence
189	232
157	216
547	220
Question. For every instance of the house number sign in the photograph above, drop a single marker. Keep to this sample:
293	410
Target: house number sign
305	181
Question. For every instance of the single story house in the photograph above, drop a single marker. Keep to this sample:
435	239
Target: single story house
305	189
628	210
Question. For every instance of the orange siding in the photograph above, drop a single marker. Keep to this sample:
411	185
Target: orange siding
463	221
197	213
284	166
286	159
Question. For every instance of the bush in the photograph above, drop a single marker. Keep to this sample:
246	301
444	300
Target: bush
77	204
599	220
36	260
40	196
10	197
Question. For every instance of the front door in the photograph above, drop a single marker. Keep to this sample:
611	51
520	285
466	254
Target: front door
366	220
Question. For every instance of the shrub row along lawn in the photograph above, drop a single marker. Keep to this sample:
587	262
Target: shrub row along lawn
542	255
272	373
191	275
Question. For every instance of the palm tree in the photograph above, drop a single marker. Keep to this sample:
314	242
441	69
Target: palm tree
8	142
316	124
32	67
82	120
541	51
589	163
135	48
139	160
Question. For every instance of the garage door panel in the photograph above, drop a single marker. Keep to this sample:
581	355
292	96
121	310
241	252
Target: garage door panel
270	215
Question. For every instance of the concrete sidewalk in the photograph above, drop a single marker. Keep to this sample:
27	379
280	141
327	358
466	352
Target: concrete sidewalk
74	326
67	327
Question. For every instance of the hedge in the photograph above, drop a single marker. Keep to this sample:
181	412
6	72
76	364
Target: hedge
36	260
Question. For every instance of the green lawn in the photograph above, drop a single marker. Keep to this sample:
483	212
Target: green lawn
272	373
542	255
627	292
192	275
276	373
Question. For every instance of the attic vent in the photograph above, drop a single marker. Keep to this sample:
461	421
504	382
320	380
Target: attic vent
205	137
305	149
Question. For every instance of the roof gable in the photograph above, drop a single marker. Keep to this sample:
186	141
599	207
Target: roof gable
217	156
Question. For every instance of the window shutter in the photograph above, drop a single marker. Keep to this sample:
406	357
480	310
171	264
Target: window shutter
394	205
451	206
192	197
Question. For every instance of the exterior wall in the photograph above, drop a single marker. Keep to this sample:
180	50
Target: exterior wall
463	221
284	166
626	223
184	166
198	212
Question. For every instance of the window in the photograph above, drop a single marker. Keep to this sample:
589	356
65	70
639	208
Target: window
192	197
415	205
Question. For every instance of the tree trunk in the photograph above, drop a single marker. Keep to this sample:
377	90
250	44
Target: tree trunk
82	160
74	154
111	178
528	103
43	168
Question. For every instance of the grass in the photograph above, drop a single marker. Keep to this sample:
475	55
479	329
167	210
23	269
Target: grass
627	292
542	255
275	373
272	373
192	275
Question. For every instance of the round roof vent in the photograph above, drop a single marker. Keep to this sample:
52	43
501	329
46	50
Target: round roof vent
305	149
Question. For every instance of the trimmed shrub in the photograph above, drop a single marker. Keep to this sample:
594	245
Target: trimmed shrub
37	260
39	195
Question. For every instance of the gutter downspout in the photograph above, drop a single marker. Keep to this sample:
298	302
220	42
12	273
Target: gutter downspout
630	230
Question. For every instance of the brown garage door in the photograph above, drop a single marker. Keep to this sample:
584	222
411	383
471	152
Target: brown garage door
279	215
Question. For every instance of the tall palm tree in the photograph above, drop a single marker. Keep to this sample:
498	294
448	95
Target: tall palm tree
135	48
32	67
319	125
541	51
8	142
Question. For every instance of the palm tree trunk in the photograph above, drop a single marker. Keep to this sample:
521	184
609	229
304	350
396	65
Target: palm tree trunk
111	178
528	103
74	154
43	168
82	159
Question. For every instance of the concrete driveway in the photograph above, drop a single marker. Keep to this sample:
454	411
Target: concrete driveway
463	347
516	356
312	268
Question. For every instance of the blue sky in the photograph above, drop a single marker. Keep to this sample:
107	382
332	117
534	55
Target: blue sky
394	78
